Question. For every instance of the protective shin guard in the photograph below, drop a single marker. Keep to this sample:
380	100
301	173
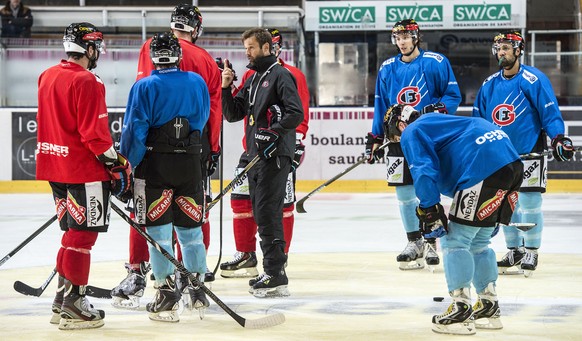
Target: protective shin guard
531	212
485	269
459	268
244	226
161	267
288	222
138	247
407	203
193	246
76	260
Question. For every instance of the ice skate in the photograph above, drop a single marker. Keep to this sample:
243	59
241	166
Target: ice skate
431	257
198	300
486	312
127	294
412	256
458	319
254	281
58	301
209	276
243	265
77	312
530	262
510	263
271	286
166	304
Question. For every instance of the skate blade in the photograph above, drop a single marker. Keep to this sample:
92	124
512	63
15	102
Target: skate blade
510	271
171	316
431	268
56	318
240	273
527	273
412	265
201	311
132	303
465	328
488	323
75	324
280	291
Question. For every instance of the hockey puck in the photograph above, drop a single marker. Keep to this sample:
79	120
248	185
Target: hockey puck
438	299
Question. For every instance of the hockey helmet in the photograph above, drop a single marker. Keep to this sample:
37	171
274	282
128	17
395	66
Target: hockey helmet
79	36
165	48
277	38
512	37
406	26
396	114
186	18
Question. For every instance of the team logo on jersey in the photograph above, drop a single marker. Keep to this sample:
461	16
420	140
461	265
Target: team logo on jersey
160	206
61	205
491	205
75	210
503	114
265	84
409	95
190	208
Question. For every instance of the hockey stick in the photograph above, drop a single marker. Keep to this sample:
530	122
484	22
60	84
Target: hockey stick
523	226
544	153
30	291
27	240
264	322
233	183
299	205
27	290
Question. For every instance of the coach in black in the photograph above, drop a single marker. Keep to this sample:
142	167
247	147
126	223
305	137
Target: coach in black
271	107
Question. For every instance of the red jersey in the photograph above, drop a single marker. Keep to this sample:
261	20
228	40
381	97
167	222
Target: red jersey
73	125
302	89
195	59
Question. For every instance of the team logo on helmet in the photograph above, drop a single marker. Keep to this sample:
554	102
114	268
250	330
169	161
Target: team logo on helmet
503	114
409	95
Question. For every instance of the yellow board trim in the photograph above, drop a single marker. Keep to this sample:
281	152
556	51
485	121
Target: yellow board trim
303	186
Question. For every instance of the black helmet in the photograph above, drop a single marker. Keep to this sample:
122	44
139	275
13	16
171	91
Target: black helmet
165	48
511	36
79	36
277	38
187	18
396	114
406	26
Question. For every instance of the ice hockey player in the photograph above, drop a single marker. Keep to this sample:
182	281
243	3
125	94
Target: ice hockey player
520	100
163	139
244	226
186	24
424	80
473	162
75	154
270	105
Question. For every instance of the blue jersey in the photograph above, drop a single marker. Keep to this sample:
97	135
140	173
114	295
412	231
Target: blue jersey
448	153
428	79
155	100
521	106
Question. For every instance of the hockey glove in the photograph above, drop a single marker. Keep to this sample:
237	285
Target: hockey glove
433	221
212	162
299	154
372	143
436	107
266	142
121	178
274	114
563	148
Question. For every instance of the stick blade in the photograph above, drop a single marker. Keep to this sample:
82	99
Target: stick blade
265	322
523	226
27	289
97	292
299	206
